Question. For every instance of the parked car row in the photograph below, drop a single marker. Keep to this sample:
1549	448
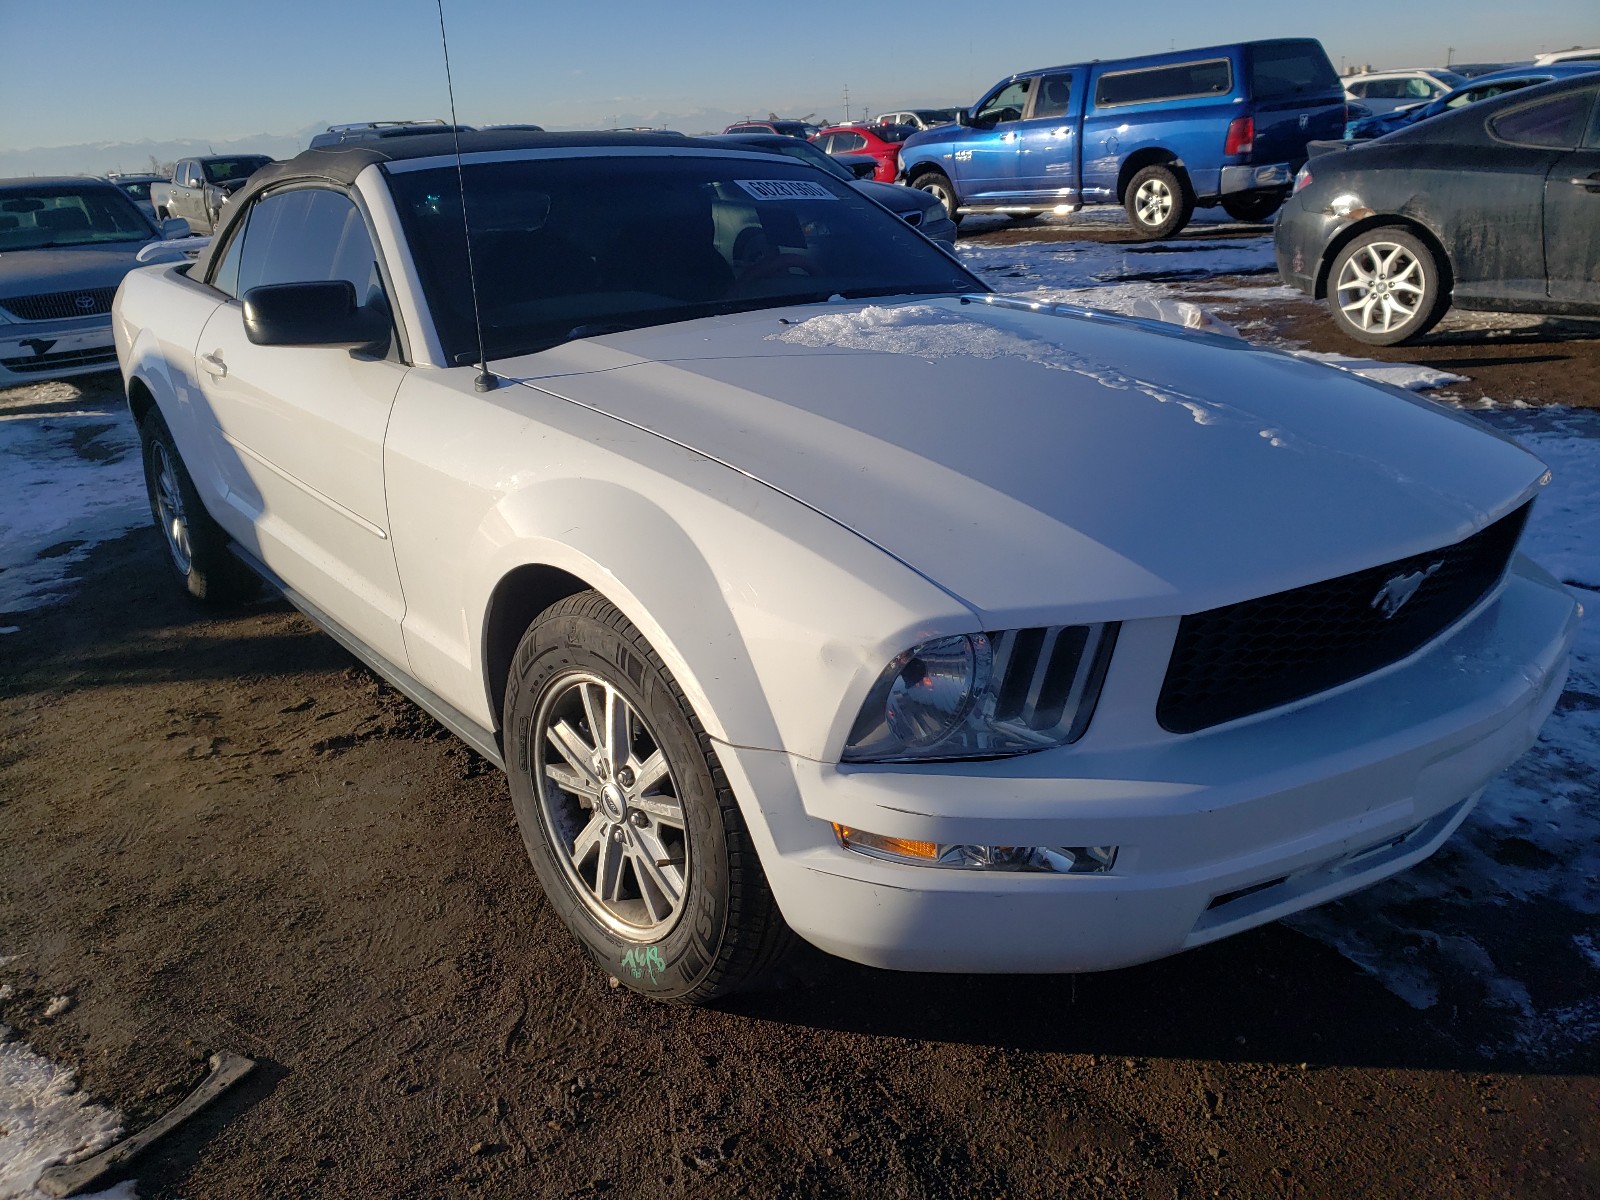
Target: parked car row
1482	87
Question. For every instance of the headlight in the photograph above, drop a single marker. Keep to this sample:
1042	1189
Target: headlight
983	695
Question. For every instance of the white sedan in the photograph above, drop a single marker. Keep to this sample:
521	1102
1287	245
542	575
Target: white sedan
798	583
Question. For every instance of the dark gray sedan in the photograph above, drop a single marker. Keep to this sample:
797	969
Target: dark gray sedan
1494	207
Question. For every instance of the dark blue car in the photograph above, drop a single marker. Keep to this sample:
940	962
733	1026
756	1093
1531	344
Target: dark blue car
1160	135
1483	87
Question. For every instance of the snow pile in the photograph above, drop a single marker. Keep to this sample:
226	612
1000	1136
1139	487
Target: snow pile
932	332
70	478
1401	375
1535	835
44	1120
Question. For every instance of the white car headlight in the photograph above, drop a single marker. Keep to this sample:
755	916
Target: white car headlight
983	695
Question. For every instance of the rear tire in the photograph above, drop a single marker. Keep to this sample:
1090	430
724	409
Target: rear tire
1252	208
938	185
1386	287
1158	201
626	813
197	547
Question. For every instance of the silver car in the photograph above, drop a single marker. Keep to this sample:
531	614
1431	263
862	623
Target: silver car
65	245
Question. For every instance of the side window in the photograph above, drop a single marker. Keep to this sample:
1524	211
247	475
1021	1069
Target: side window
1550	124
1359	90
303	236
1592	140
1421	89
1211	77
1007	104
848	143
1055	95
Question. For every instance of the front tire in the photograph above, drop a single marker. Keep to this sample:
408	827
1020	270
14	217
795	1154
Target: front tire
1158	201
626	813
197	547
1386	287
938	185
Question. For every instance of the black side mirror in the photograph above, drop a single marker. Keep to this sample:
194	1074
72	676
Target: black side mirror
964	118
313	314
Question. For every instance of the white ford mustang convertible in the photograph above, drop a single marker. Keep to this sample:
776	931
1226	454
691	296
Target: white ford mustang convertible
800	584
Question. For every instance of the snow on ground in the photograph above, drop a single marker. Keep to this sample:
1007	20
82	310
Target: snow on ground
1535	835
45	1119
1401	375
70	478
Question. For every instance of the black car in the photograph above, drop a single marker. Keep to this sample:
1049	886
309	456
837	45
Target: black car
1495	206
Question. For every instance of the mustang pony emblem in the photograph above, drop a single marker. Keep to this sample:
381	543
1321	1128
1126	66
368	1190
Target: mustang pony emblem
1395	594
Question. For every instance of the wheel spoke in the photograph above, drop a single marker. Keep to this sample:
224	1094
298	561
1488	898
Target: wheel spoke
567	779
594	707
618	734
649	773
595	835
570	745
608	874
662	808
657	872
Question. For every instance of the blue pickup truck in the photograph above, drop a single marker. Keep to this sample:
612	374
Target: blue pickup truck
1160	135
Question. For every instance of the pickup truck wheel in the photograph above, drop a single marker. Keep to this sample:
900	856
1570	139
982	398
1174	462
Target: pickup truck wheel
197	548
1384	288
1257	206
626	814
1158	201
938	185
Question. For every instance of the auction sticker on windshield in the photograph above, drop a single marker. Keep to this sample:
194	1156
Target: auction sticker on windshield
785	189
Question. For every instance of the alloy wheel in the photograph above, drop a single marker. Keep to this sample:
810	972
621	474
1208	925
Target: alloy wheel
610	806
1381	287
1153	201
169	509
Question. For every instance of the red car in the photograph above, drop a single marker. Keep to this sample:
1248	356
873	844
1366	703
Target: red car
882	142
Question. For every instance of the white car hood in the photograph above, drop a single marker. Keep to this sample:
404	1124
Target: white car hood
1040	466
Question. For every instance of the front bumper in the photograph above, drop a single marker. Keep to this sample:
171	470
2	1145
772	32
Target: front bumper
1216	832
1300	238
34	351
1264	177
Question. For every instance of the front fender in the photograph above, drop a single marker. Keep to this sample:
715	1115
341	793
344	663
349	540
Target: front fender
774	619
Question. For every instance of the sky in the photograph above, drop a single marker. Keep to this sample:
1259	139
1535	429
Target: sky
96	71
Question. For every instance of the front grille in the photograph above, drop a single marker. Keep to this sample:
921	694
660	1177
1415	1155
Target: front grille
53	306
1248	657
35	364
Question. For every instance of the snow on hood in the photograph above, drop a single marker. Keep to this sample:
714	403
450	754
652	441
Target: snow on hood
1037	464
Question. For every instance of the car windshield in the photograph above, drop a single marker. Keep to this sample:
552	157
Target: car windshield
806	153
137	191
36	217
227	170
576	247
937	116
893	133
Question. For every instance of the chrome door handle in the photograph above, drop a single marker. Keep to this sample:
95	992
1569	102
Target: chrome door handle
214	366
1591	182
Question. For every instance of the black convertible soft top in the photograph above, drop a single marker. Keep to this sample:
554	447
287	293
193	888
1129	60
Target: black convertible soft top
341	164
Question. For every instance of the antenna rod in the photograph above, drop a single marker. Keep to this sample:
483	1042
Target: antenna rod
485	382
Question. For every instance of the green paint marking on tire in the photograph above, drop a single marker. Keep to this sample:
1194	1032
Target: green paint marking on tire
642	962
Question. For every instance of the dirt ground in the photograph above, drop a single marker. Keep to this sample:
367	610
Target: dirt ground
221	832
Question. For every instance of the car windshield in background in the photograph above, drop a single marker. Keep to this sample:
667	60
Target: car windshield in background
226	170
575	247
34	218
806	153
137	191
893	133
1290	69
